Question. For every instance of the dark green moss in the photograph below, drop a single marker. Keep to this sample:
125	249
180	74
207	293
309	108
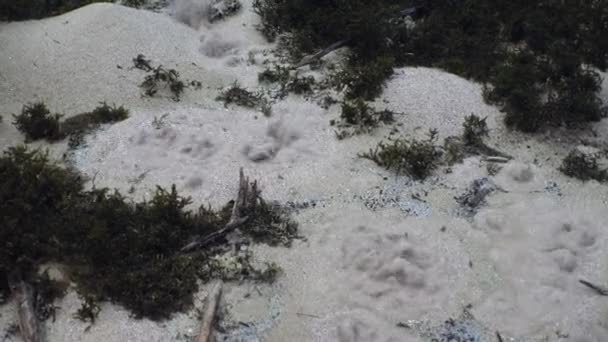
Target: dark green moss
114	249
37	122
417	158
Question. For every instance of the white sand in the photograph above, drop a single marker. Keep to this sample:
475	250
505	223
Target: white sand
374	255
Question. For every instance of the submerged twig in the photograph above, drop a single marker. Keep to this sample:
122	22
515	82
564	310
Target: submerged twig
246	198
317	56
602	291
212	302
499	337
497	159
29	326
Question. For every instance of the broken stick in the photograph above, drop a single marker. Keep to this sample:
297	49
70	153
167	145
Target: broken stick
29	327
317	56
211	303
598	289
246	199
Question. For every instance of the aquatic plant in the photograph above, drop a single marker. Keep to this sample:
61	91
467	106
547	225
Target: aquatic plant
130	253
235	94
535	57
584	166
417	158
37	122
161	78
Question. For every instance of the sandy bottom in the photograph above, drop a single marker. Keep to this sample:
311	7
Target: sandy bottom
385	258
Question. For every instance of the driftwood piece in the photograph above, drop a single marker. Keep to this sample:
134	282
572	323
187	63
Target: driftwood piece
246	199
211	304
29	327
315	57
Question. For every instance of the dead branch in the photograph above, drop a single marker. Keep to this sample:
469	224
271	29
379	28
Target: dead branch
246	199
211	303
29	326
315	57
495	159
598	289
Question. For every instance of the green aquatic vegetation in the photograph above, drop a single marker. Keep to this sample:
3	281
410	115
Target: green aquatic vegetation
130	253
583	166
537	59
364	80
235	94
160	78
360	114
85	122
417	158
37	122
278	74
289	82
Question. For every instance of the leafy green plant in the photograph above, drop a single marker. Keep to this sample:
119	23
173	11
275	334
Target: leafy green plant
417	158
115	249
37	122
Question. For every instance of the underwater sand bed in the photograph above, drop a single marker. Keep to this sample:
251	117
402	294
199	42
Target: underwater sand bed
385	258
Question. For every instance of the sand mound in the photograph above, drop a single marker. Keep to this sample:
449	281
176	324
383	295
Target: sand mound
431	98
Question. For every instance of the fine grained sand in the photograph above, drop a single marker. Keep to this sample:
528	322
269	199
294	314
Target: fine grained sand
379	249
